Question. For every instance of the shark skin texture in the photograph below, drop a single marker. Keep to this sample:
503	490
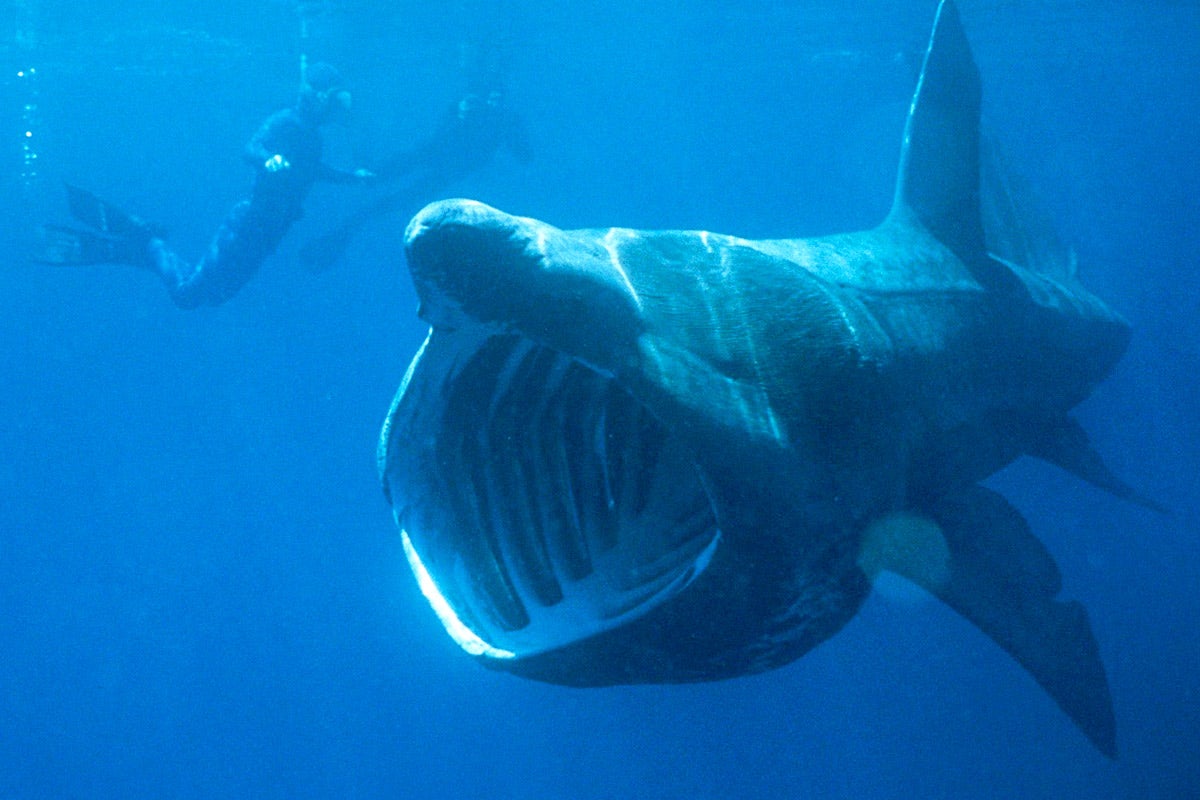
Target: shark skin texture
630	456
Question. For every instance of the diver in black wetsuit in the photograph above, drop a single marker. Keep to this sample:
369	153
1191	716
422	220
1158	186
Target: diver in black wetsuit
286	155
471	131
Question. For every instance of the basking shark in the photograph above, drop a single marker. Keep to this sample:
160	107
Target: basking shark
628	456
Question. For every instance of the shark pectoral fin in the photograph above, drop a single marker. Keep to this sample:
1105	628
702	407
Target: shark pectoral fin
976	553
1064	443
1003	580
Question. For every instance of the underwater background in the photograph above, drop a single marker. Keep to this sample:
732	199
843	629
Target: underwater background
202	592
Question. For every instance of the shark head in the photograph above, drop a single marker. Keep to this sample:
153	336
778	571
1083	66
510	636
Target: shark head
540	503
553	455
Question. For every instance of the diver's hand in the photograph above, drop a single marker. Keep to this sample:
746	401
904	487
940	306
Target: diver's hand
276	163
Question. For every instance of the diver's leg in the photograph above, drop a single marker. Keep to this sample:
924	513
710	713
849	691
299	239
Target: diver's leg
245	239
177	274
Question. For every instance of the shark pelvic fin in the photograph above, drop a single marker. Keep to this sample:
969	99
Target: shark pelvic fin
987	565
1064	443
938	181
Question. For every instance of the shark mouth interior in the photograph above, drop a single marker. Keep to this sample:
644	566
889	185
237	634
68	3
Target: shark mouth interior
548	505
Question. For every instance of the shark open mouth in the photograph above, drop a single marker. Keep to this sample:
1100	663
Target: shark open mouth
540	504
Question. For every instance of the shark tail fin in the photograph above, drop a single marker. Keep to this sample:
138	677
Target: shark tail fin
975	552
938	182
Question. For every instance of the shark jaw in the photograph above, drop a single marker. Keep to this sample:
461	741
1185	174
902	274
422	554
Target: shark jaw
540	503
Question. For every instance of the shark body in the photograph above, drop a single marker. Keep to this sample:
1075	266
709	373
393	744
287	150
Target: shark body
631	456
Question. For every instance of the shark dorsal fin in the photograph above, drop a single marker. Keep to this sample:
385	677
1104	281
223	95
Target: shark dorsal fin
938	183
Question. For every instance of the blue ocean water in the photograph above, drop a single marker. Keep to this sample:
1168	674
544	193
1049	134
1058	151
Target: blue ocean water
202	593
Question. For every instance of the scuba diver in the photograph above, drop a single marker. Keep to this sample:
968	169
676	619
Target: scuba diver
471	131
286	155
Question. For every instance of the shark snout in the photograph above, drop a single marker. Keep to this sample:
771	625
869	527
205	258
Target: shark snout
473	264
468	262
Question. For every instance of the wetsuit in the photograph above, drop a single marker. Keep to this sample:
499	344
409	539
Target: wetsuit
467	138
253	228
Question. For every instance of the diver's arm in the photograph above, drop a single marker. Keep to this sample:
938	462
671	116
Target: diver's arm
427	153
334	175
260	152
399	165
406	162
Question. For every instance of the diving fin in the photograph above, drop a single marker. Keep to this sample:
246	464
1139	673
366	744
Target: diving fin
989	567
107	218
64	247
